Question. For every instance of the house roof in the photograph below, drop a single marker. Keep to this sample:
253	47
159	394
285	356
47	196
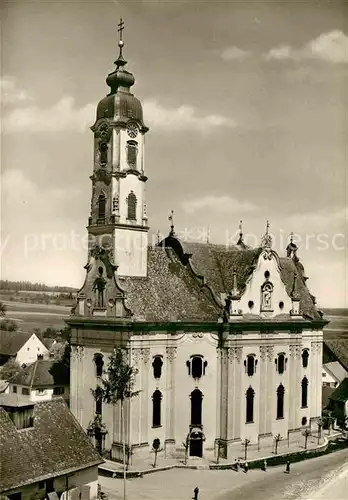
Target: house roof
325	395
12	342
42	373
336	349
185	281
169	292
336	370
55	445
341	392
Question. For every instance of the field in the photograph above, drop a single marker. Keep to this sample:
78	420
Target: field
30	316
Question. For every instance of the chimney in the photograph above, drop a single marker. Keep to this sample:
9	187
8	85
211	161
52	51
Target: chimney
40	356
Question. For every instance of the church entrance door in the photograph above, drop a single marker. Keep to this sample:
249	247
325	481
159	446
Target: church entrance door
196	447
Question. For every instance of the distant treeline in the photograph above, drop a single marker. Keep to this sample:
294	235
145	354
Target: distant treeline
17	286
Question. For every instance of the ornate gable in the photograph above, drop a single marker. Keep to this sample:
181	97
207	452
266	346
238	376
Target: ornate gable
101	294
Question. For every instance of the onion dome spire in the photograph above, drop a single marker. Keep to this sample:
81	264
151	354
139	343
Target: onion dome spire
240	242
120	78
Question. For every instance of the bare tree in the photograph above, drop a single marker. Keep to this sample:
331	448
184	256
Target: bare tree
156	446
277	438
307	433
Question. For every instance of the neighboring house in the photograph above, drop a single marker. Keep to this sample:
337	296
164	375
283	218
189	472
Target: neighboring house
43	449
333	374
338	402
41	381
21	347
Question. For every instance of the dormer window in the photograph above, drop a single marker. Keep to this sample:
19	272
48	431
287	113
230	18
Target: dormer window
196	366
157	366
132	152
101	206
250	364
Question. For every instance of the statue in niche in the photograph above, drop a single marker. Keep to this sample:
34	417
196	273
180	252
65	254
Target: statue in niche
266	296
99	287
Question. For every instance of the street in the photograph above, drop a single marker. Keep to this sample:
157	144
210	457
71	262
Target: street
306	479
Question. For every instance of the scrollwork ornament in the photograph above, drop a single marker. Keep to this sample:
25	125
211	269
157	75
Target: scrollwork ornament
270	351
263	352
238	353
197	335
136	356
145	354
78	351
171	353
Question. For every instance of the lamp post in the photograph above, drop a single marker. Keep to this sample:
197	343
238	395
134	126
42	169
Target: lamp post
277	438
246	444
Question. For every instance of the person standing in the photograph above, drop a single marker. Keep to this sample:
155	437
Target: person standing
195	493
265	465
246	467
287	467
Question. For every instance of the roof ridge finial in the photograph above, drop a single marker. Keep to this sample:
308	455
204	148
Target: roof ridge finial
234	292
292	248
266	241
120	60
240	239
171	219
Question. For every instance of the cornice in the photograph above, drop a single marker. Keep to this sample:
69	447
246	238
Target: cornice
130	171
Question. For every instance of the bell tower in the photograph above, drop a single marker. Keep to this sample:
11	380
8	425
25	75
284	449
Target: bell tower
118	219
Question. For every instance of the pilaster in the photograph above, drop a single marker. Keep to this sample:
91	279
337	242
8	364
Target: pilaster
170	407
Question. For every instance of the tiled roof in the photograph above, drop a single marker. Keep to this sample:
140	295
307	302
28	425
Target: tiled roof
216	264
341	393
11	342
42	373
326	393
170	292
55	445
339	348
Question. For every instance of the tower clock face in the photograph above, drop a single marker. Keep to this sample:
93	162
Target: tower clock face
132	130
104	130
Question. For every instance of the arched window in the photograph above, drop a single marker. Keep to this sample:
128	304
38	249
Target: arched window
305	356
132	206
132	151
103	153
250	393
101	205
157	366
156	408
280	401
250	365
281	363
197	367
196	407
99	363
304	392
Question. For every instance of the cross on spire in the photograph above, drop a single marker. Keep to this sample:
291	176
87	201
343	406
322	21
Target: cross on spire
121	28
171	219
267	227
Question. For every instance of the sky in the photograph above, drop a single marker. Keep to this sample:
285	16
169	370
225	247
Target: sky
247	107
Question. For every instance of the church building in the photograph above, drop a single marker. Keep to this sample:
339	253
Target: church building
227	340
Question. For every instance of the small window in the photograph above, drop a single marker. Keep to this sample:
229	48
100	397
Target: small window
305	356
40	392
57	391
41	485
101	206
324	374
103	153
281	363
25	391
281	305
197	367
98	360
157	366
15	496
49	486
267	274
304	421
132	151
250	365
14	389
132	206
250	304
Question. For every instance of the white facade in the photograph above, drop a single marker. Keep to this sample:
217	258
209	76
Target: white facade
29	352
